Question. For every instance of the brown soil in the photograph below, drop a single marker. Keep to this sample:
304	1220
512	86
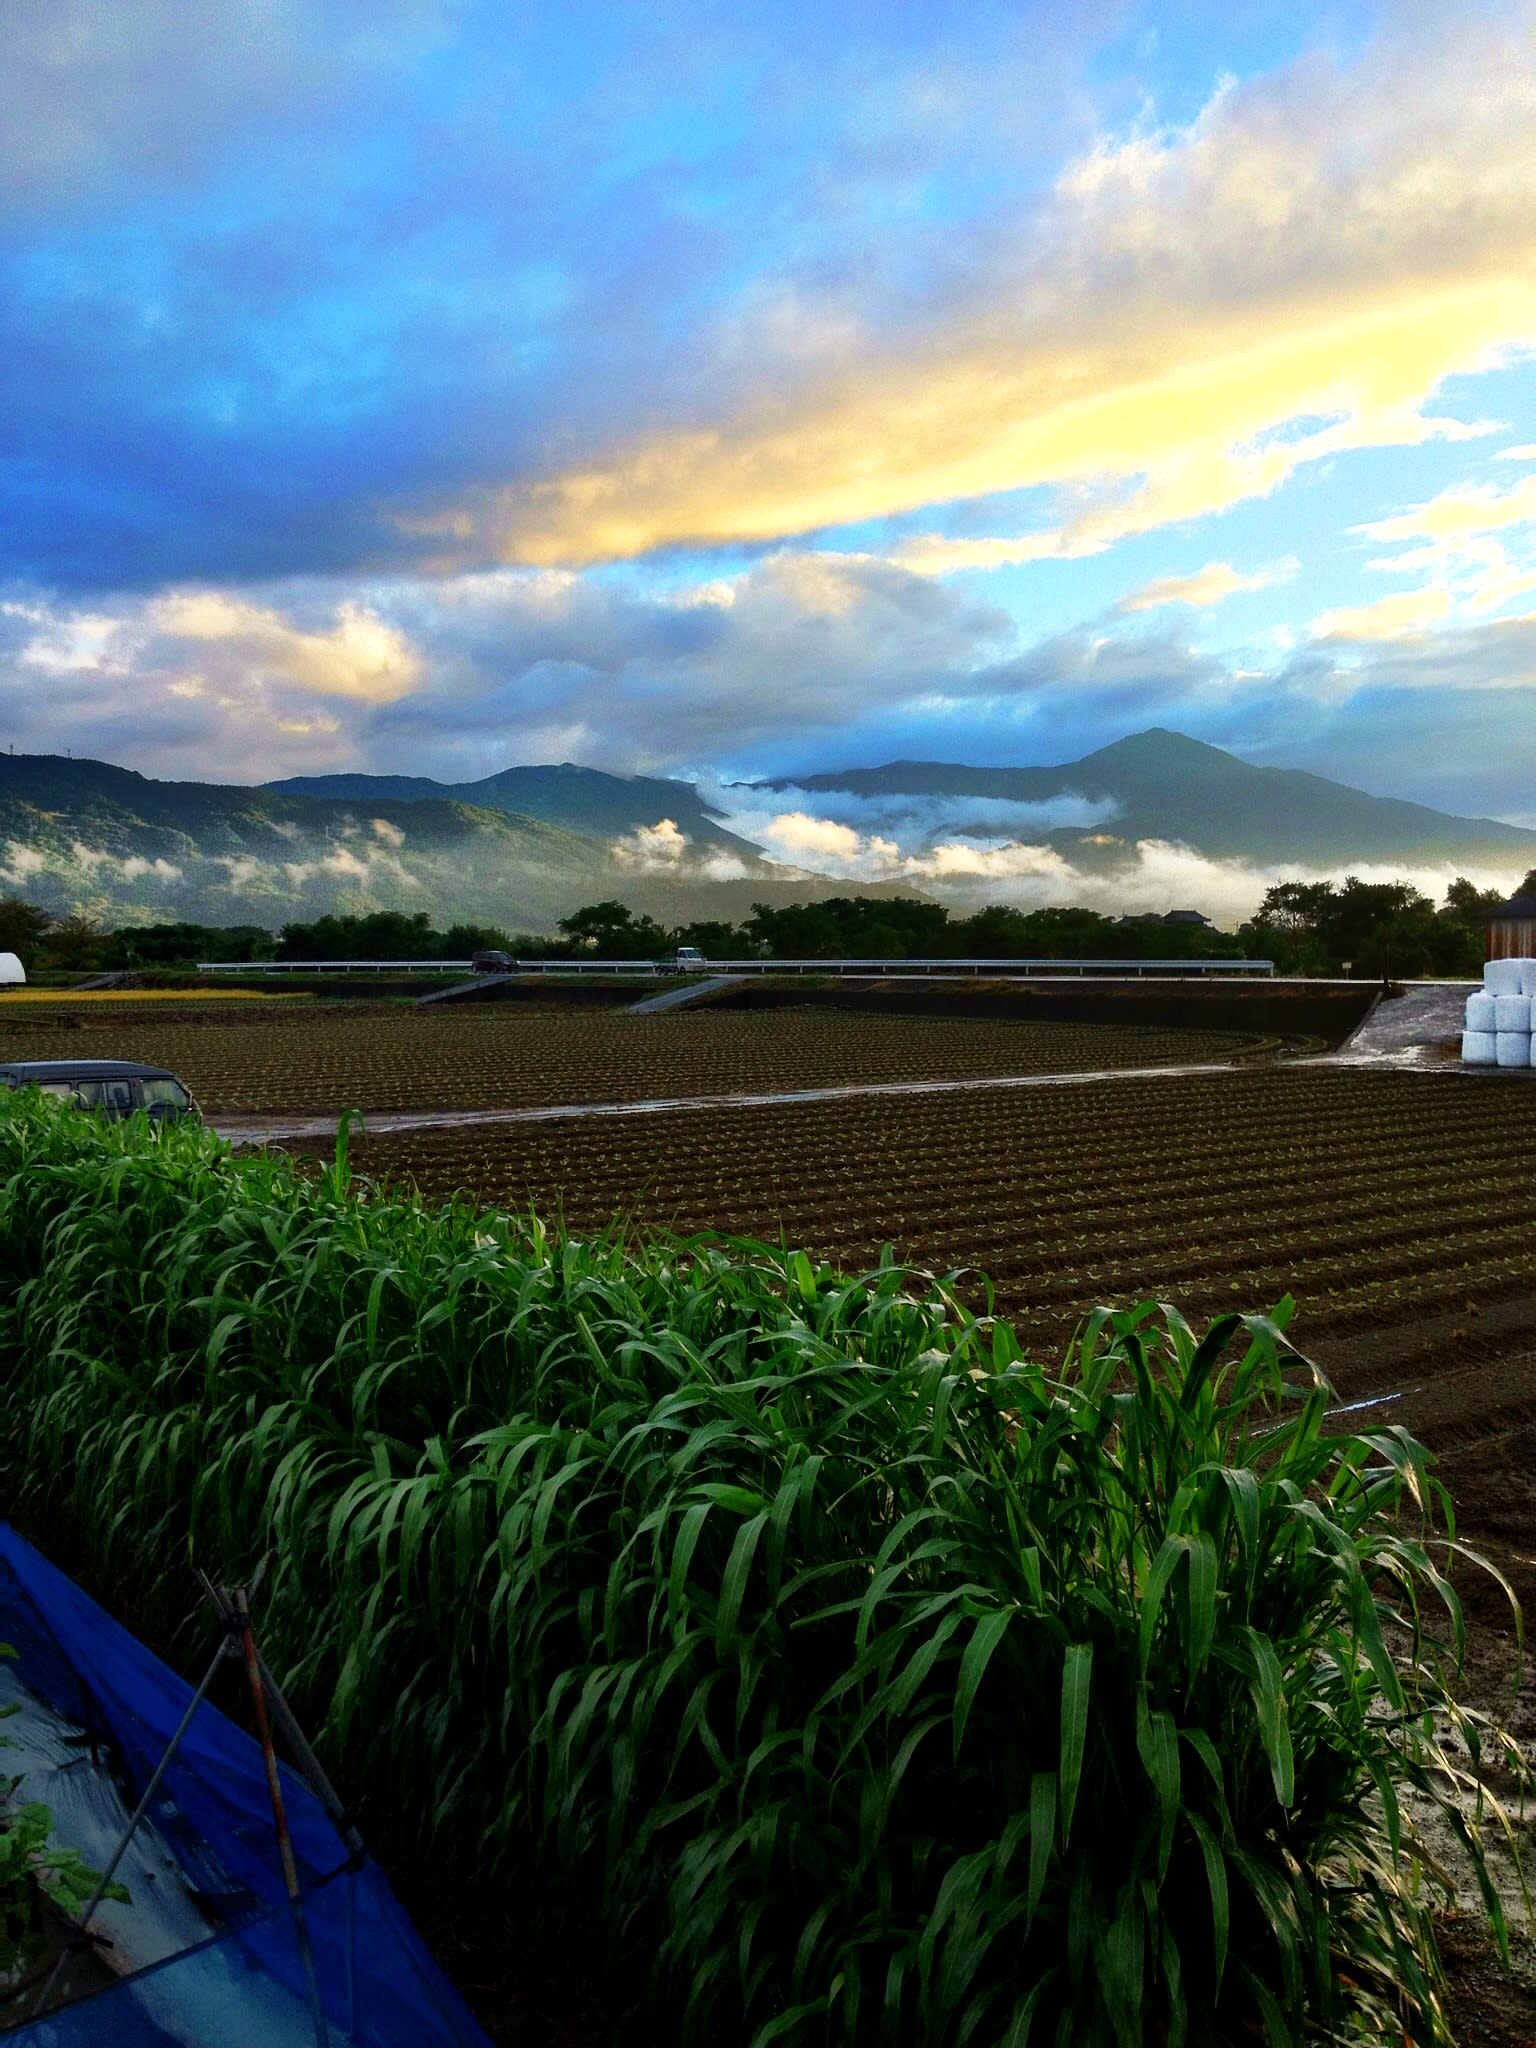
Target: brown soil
329	1058
1328	1012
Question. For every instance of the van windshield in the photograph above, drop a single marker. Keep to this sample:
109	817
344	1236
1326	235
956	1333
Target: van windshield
163	1091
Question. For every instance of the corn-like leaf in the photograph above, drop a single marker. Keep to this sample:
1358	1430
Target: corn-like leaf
692	1549
1076	1680
988	1633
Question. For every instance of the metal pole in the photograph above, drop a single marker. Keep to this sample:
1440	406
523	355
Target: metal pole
279	1816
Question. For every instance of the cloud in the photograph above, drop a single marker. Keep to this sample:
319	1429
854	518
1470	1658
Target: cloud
547	665
1388	618
1455	515
359	656
392	835
91	92
1190	316
663	849
131	867
1207	586
653	849
343	865
243	871
22	864
913	821
1117	877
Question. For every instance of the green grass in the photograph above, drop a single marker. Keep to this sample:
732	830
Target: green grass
866	1682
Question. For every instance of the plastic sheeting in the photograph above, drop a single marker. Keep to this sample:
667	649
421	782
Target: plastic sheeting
215	1958
1481	1013
1506	977
1499	1016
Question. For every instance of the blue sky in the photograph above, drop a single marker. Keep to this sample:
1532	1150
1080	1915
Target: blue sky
723	390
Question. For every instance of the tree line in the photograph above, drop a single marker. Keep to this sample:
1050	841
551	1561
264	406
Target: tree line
1374	929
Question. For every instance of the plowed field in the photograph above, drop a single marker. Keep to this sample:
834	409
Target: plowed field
1373	1197
327	1058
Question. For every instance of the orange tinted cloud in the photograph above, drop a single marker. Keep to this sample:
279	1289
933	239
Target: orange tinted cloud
1207	586
1191	316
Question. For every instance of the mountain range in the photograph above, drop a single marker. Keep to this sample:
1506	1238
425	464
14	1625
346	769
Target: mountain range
524	847
122	847
584	800
1163	785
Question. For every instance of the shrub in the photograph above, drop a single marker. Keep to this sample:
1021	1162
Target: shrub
873	1683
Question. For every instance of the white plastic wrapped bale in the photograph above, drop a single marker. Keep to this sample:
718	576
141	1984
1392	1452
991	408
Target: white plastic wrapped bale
1513	1048
1512	1013
1505	977
1480	1049
1528	977
1480	1013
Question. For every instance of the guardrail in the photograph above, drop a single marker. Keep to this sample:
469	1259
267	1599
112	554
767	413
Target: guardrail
333	966
884	968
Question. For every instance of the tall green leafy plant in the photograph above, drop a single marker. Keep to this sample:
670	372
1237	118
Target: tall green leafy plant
869	1682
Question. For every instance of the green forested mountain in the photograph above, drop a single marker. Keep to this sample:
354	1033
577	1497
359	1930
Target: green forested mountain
123	847
1163	785
585	800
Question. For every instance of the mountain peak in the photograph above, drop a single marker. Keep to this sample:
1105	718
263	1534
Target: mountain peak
1159	743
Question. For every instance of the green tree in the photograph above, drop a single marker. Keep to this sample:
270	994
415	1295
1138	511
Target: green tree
611	931
22	926
461	940
183	945
1462	923
799	931
74	943
380	935
714	939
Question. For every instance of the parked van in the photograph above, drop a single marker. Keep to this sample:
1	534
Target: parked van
113	1088
690	960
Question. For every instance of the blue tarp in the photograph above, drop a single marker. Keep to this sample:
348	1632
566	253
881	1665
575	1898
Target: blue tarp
233	1976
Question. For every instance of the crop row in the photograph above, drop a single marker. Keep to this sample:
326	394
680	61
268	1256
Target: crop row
389	1057
1354	1190
835	1674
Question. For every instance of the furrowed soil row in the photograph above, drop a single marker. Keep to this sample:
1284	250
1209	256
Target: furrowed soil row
1142	1220
1368	1196
328	1058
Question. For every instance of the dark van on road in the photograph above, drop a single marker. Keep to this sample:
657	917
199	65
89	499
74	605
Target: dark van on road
111	1087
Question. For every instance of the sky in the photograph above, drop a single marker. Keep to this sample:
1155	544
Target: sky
740	390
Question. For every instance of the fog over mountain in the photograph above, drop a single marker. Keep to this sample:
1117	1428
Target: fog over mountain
1162	785
581	799
123	847
1154	822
